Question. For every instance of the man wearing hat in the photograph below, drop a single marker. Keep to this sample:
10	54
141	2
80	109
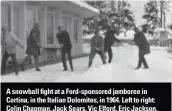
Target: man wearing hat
97	47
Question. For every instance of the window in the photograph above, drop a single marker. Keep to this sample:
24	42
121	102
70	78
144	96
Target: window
16	20
30	20
6	15
76	30
65	23
50	27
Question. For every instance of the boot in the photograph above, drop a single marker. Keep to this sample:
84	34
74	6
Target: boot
64	69
37	69
137	68
146	67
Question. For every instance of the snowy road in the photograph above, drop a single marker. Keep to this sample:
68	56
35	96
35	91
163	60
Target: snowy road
121	70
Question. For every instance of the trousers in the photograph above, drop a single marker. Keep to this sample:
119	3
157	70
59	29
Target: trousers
141	61
36	59
4	60
92	55
110	54
63	56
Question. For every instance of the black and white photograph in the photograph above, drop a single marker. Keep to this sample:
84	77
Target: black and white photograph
86	41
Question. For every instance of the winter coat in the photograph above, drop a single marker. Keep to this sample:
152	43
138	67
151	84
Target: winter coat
97	42
33	43
109	39
142	43
9	43
64	39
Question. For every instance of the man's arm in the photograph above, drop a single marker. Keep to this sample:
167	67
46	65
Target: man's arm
116	39
67	34
58	38
17	40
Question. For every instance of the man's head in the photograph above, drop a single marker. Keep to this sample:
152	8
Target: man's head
4	29
60	28
136	29
36	26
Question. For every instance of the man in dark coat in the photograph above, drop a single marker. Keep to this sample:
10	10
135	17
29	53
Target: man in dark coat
144	48
109	41
97	47
66	46
33	47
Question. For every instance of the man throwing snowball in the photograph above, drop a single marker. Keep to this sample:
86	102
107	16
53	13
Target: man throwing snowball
97	47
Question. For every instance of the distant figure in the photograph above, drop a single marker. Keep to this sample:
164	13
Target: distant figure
66	46
109	41
8	44
97	47
33	47
144	48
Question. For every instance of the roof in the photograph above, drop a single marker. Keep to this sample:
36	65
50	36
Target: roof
84	5
68	6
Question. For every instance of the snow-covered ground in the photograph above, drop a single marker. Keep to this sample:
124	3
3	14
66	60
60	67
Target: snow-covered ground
120	70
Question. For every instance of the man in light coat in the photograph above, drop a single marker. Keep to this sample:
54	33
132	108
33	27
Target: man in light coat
97	47
8	44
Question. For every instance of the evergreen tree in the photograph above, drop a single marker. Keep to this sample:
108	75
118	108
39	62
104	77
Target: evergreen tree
151	16
111	13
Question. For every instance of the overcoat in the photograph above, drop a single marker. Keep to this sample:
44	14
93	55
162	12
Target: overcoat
109	39
33	43
142	43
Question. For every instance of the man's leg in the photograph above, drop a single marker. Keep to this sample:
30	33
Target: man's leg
70	59
110	54
63	56
139	62
13	56
36	58
145	63
25	62
91	57
102	56
3	63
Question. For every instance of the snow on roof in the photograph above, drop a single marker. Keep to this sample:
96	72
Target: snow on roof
84	5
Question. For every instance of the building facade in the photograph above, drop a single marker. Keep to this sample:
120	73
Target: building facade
20	17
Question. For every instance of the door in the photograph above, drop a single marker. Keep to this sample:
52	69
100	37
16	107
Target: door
6	15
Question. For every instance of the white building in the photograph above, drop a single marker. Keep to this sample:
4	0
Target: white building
20	16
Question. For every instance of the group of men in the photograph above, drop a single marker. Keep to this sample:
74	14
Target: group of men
99	45
9	42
